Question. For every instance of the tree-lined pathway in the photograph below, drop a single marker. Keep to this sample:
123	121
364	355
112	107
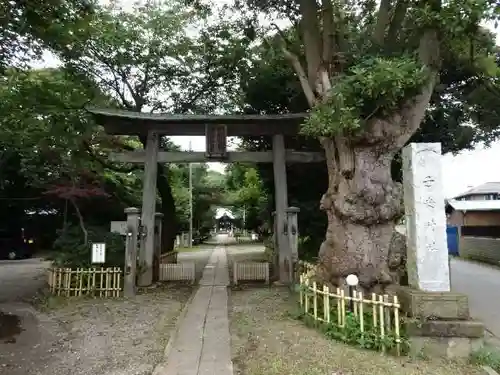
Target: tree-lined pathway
202	344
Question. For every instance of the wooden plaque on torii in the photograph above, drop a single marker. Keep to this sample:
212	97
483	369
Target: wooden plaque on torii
216	141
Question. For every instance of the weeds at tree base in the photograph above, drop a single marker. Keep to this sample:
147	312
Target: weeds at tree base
351	334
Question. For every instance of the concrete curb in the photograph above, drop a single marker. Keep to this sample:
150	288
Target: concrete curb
160	367
487	370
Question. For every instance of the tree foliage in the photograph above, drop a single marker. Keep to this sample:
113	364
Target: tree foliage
149	59
54	170
246	195
27	27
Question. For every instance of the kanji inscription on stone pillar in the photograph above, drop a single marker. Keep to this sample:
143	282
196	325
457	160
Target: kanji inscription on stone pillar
427	257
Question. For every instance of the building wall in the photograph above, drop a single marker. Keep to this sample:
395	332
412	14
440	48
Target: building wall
481	249
474	218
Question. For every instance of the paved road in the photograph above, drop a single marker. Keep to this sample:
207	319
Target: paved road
481	283
21	279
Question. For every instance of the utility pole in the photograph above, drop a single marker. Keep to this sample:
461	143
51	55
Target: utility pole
190	201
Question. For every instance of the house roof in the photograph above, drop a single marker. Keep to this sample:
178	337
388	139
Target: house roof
220	212
475	205
487	188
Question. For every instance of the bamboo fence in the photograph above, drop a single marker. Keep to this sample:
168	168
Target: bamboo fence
250	271
96	282
377	315
185	271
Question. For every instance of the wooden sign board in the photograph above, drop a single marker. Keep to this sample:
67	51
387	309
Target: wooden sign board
216	138
98	253
119	227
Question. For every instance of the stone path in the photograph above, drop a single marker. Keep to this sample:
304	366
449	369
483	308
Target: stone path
202	344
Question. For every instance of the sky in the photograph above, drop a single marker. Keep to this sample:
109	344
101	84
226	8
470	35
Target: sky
459	172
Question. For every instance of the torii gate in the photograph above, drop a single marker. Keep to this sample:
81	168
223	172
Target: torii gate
216	128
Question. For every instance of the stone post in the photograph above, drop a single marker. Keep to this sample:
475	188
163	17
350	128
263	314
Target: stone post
293	237
131	251
441	326
427	258
158	246
275	260
293	231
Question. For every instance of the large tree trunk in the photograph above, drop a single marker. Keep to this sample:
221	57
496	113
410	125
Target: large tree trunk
362	206
363	203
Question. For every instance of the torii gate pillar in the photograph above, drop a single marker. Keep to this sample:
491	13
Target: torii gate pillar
281	201
147	249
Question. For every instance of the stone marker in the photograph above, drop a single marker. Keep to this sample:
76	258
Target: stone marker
440	324
428	261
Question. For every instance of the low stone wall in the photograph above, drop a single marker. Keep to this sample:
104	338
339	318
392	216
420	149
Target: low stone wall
480	248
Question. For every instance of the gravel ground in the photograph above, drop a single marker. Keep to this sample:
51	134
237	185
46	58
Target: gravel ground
266	341
80	336
20	279
95	336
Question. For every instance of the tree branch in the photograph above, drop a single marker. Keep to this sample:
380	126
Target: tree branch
138	99
396	23
383	18
106	164
301	74
80	220
429	53
328	34
312	38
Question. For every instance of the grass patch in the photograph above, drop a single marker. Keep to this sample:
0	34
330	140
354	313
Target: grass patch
487	356
267	340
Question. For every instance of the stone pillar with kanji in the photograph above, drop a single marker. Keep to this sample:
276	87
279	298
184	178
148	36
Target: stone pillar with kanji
440	324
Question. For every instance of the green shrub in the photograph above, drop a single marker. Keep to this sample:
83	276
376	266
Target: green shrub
70	251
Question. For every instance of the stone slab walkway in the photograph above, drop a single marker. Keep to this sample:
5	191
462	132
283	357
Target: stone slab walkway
202	345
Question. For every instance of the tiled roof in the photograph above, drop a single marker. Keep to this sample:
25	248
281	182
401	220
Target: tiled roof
475	205
220	212
487	188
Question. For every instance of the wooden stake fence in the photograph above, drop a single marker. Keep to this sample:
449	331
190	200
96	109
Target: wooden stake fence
97	282
378	314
